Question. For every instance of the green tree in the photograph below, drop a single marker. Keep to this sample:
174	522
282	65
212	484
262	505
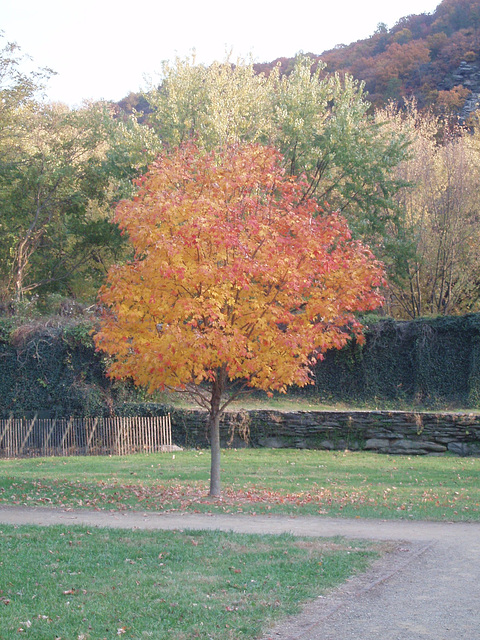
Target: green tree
324	129
17	87
320	123
60	172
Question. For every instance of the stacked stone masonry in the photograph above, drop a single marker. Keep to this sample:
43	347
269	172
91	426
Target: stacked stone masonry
390	432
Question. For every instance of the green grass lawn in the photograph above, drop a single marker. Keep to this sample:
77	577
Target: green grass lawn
303	482
295	401
71	583
78	583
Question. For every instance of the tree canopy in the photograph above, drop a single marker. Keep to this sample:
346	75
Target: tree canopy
237	276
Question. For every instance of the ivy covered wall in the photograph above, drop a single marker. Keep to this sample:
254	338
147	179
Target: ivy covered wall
431	362
53	369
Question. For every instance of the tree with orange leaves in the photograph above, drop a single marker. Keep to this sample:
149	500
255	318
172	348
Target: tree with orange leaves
237	276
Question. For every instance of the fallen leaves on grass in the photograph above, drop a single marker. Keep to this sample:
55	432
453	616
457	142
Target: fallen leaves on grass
181	497
165	498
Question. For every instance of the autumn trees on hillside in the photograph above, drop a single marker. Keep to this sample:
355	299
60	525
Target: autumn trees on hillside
416	58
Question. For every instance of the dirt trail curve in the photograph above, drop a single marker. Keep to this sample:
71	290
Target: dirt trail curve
428	588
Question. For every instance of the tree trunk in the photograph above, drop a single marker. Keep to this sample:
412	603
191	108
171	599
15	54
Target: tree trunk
20	267
215	455
218	386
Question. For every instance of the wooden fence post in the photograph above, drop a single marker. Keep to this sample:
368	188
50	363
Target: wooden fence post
46	443
6	430
95	423
29	431
62	444
117	448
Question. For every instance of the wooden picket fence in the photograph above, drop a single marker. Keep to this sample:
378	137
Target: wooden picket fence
84	436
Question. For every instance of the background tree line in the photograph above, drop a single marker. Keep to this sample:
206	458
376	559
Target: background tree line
405	178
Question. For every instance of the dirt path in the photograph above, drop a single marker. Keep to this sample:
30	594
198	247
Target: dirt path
427	588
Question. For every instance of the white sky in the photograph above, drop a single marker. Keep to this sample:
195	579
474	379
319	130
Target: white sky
106	48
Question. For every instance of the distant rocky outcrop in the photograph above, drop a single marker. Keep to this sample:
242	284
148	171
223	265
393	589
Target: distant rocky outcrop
467	75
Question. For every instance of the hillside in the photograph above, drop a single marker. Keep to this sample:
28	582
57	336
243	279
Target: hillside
432	57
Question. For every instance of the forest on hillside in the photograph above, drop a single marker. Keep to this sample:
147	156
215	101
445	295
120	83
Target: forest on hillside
374	127
433	58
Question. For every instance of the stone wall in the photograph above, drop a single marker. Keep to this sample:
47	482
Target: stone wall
392	432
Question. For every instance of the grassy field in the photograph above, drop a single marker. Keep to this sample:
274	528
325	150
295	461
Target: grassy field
78	584
303	482
95	584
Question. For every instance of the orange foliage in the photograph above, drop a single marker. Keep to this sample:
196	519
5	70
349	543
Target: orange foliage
419	56
399	60
454	99
234	270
